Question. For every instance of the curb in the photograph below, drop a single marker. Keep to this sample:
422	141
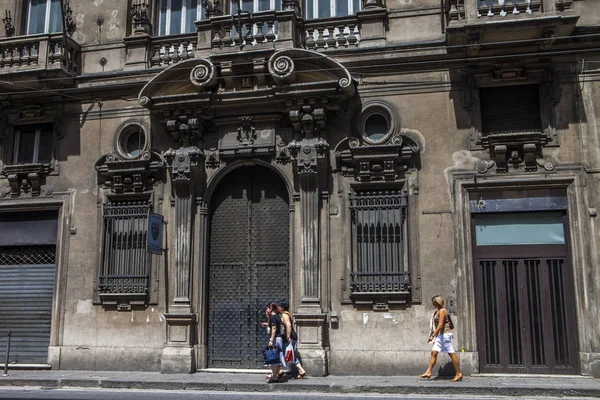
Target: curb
315	387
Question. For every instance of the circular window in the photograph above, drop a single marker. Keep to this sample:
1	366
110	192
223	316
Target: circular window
132	140
378	121
135	143
376	127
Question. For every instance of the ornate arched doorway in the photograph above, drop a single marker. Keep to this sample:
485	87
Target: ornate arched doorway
248	265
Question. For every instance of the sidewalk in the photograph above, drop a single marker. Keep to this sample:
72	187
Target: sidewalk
550	386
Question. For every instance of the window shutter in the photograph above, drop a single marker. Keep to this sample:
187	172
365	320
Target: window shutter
510	109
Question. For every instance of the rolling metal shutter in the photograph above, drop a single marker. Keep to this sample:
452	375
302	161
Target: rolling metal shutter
27	271
510	109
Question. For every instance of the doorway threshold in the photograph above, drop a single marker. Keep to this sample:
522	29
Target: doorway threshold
494	375
28	366
234	370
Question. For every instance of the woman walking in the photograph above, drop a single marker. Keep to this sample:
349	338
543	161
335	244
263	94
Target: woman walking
289	335
275	341
441	336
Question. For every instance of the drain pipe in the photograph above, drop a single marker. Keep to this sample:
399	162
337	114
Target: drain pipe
7	353
329	248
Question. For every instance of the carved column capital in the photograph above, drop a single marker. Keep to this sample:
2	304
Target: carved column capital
310	155
182	161
185	130
308	122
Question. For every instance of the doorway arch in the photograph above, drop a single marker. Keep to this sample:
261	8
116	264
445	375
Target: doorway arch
248	263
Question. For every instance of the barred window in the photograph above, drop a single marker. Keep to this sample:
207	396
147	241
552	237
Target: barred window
125	264
379	259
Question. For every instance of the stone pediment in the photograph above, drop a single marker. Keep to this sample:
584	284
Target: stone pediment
280	80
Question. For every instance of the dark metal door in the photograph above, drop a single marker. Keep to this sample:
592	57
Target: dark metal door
249	254
525	310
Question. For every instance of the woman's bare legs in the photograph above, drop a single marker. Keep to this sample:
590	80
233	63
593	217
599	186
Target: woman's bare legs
458	376
432	361
274	374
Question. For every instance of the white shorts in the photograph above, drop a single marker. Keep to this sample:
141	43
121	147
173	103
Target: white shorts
443	343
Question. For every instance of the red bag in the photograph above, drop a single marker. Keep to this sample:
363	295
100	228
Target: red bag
289	353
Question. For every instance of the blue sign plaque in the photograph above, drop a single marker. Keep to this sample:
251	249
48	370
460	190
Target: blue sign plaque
155	230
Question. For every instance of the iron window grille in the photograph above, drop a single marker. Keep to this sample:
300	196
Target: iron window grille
378	220
28	255
125	265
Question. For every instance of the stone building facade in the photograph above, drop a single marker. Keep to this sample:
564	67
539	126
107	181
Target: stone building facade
355	157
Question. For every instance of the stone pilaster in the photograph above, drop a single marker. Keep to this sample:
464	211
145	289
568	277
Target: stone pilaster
178	355
311	154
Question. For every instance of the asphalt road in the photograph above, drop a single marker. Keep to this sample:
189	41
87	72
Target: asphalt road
102	394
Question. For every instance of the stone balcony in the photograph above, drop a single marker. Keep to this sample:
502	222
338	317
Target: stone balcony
258	31
51	55
478	22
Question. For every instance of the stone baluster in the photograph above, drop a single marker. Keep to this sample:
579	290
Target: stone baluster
270	35
10	56
227	40
310	39
175	54
249	38
35	51
342	39
352	39
155	60
184	54
17	56
331	40
320	42
216	41
164	54
260	36
26	58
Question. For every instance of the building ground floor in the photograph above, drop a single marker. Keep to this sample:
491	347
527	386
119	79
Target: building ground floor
521	292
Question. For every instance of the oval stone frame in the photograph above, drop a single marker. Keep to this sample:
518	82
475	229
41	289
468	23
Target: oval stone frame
123	133
384	109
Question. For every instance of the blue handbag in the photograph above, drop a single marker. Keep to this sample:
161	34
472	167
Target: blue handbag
271	355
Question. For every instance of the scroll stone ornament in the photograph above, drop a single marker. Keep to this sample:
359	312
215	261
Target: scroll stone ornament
282	69
204	75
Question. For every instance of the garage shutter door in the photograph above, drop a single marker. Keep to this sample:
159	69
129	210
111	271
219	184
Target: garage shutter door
26	288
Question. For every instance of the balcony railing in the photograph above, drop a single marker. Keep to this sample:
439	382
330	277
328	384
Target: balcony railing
44	51
256	29
168	50
281	29
502	8
332	33
459	11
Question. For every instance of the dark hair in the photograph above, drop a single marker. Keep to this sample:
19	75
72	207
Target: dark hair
272	306
285	304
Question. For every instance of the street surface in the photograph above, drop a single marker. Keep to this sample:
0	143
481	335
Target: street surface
32	393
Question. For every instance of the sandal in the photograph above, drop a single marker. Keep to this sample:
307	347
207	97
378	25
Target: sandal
281	374
271	380
457	378
301	376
